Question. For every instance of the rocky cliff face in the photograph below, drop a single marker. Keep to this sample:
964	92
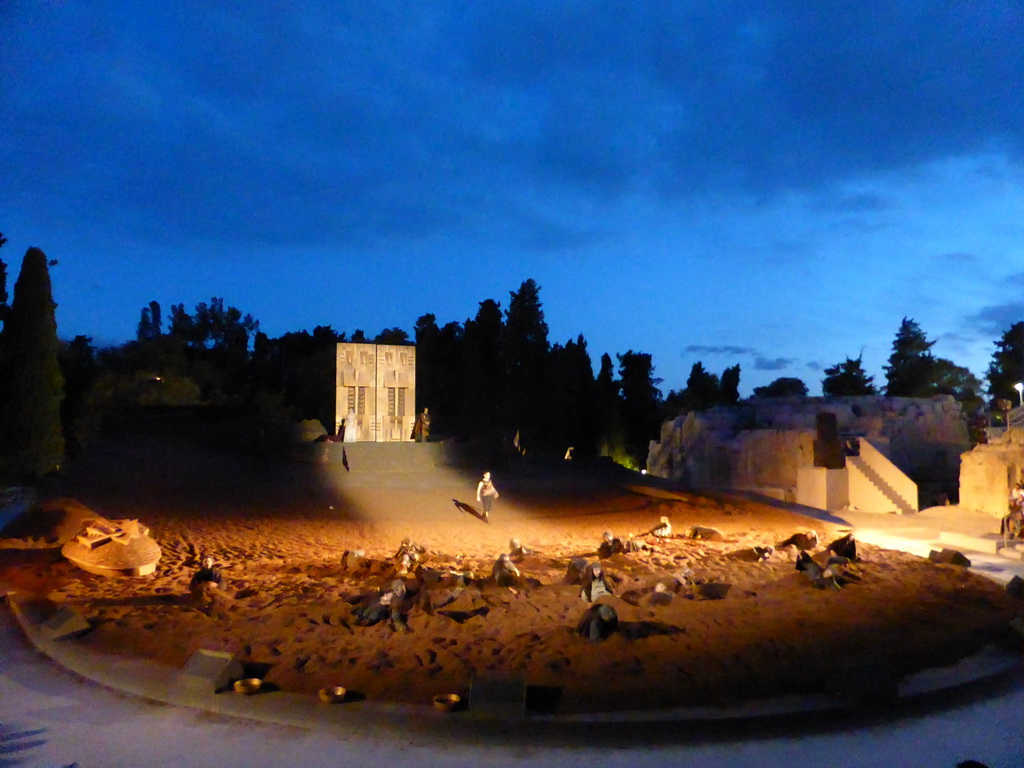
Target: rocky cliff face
760	444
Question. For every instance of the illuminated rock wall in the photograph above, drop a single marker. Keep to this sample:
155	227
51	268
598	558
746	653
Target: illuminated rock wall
987	473
761	444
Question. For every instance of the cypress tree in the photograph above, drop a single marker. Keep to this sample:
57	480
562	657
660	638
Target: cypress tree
31	384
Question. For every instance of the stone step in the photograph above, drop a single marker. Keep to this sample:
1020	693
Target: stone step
989	543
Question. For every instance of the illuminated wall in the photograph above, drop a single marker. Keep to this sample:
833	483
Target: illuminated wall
375	395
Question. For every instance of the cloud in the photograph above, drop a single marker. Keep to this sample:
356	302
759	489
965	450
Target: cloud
959	258
864	202
337	125
995	320
777	364
718	350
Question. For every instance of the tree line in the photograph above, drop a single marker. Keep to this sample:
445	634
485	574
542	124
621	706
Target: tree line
495	377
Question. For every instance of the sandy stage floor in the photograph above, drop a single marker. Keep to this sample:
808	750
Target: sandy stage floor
279	530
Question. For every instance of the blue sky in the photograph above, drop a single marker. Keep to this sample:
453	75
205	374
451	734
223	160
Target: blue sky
774	184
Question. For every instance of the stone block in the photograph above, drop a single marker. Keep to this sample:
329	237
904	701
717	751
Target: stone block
210	671
500	696
949	557
65	623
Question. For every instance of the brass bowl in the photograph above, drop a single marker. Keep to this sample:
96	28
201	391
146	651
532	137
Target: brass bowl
332	695
447	702
248	686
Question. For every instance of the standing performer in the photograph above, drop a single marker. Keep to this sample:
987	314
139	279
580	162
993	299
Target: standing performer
486	493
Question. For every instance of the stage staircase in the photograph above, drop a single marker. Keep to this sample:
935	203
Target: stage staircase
878	484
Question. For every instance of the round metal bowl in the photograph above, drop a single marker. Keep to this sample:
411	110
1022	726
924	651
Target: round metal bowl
447	702
248	686
331	695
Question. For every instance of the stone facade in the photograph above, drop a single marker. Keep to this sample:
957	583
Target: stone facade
376	392
987	472
762	444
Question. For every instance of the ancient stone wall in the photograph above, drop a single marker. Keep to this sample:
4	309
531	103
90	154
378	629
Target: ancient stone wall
987	472
762	443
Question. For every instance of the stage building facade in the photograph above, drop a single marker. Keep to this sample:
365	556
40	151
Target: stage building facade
375	395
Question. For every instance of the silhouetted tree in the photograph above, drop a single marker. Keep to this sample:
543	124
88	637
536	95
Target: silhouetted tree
951	379
847	379
428	369
571	382
439	373
909	372
1007	366
220	328
79	367
525	351
730	385
640	403
702	388
782	387
31	385
300	368
3	284
483	370
392	336
149	323
608	413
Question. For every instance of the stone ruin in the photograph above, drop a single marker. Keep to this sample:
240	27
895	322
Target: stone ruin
762	445
988	471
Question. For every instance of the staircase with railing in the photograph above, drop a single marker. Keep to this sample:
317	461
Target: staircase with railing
1014	419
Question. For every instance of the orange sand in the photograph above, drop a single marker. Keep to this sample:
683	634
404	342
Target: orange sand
279	529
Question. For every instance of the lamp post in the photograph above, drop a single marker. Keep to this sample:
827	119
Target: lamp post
1019	386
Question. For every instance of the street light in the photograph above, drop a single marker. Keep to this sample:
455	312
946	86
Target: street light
1019	386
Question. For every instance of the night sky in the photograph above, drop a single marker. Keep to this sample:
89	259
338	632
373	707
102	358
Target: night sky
775	184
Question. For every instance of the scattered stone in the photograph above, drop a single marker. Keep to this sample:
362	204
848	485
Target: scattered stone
949	557
712	590
706	533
